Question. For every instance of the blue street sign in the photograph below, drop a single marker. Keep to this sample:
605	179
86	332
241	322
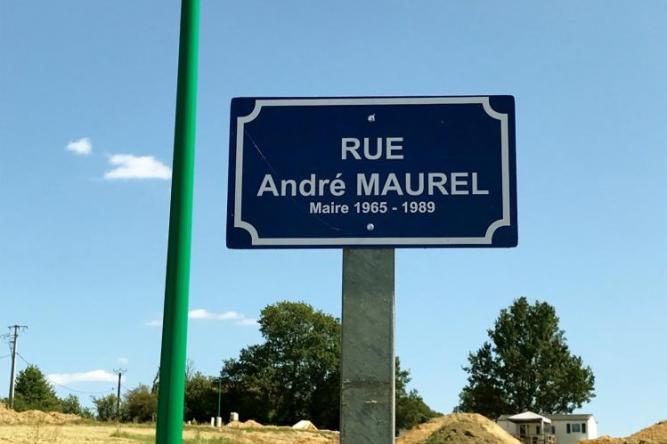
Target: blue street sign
372	171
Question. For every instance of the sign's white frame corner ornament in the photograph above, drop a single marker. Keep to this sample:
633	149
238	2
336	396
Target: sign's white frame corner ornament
448	165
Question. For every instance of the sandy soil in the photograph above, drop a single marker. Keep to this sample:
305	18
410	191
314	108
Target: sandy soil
655	434
8	416
465	428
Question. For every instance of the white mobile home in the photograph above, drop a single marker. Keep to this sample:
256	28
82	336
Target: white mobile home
571	428
531	428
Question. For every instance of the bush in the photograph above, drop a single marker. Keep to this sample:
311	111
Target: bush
34	392
201	397
411	410
139	405
70	405
106	407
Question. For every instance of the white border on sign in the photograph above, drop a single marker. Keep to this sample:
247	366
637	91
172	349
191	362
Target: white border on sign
486	240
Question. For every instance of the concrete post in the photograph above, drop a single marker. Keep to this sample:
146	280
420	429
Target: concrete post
367	364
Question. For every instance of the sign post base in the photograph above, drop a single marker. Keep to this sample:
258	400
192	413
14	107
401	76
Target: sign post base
368	362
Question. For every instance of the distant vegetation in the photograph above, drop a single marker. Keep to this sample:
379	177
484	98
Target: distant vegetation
526	365
292	375
295	375
34	392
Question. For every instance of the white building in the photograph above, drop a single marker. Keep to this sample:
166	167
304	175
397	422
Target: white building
569	428
531	428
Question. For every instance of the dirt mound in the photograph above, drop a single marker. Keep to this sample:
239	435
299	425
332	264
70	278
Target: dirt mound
465	428
606	439
656	434
8	416
249	424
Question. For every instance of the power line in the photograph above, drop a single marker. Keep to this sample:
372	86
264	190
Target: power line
23	359
83	392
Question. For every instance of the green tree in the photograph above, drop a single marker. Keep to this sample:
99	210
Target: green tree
411	410
87	413
201	397
295	373
71	405
105	407
410	407
139	405
526	365
291	375
33	391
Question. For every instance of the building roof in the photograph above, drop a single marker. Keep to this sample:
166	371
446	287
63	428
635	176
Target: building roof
529	417
575	416
554	417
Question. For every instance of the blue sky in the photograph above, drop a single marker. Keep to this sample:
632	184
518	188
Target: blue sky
83	238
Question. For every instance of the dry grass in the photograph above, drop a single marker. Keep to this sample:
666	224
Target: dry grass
101	433
58	434
456	428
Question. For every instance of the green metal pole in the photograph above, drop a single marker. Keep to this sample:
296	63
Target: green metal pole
175	321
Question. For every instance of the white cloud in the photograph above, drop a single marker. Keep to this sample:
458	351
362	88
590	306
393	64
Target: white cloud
82	147
90	376
237	318
128	166
123	360
248	322
201	314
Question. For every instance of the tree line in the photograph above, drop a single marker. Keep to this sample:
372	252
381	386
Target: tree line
34	392
294	374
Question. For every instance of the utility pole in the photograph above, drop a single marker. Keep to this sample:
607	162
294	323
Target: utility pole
120	372
13	341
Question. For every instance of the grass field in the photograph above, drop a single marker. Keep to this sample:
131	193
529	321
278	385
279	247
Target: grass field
448	429
97	433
